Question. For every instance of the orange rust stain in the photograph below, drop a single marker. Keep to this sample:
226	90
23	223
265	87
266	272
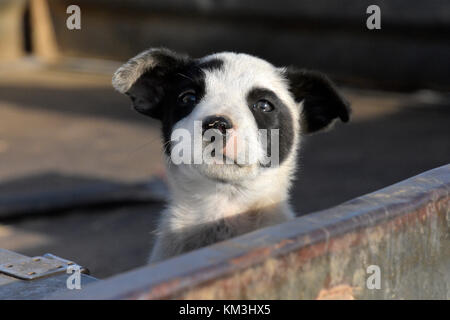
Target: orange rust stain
161	291
340	292
251	256
260	252
312	251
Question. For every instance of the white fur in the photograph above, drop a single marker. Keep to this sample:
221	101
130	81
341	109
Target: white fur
203	210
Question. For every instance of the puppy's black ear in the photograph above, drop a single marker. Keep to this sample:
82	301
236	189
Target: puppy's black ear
143	78
321	101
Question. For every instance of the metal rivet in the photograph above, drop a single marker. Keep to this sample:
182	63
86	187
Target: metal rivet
31	273
69	263
36	259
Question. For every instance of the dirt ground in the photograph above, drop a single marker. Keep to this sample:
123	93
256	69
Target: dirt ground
73	125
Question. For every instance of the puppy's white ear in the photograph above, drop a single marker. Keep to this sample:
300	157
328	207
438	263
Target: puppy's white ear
321	102
143	78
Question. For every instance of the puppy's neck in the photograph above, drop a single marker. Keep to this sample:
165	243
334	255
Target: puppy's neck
210	200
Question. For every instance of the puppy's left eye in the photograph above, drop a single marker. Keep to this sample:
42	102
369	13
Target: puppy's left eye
263	105
187	97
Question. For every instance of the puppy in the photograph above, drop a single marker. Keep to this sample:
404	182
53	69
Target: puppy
243	106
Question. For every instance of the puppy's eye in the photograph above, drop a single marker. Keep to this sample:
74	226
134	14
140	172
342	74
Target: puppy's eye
187	97
263	105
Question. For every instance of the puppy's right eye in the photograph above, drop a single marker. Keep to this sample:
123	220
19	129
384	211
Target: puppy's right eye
187	98
263	105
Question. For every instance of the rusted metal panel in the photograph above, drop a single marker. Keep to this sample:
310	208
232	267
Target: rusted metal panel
403	229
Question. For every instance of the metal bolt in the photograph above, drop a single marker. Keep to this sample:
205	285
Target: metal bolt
10	266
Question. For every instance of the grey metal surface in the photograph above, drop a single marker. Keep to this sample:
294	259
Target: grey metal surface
23	277
7	256
404	229
15	289
30	268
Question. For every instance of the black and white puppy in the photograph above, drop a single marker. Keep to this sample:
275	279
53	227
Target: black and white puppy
241	98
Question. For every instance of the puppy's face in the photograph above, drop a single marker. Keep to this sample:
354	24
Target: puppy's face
228	116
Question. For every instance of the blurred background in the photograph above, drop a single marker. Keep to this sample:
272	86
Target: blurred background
81	174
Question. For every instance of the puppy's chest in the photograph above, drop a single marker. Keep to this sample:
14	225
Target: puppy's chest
220	230
220	223
218	219
217	230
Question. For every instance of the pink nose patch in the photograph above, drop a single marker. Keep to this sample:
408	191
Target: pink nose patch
230	149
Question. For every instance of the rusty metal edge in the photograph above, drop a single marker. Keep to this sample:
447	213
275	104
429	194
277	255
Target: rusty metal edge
168	279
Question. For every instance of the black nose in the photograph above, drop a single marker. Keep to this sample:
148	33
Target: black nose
216	122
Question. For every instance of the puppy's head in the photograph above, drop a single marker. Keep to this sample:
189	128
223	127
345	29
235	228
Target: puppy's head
229	116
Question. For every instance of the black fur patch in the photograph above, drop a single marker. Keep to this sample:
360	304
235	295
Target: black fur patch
211	65
156	92
149	89
321	101
279	118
